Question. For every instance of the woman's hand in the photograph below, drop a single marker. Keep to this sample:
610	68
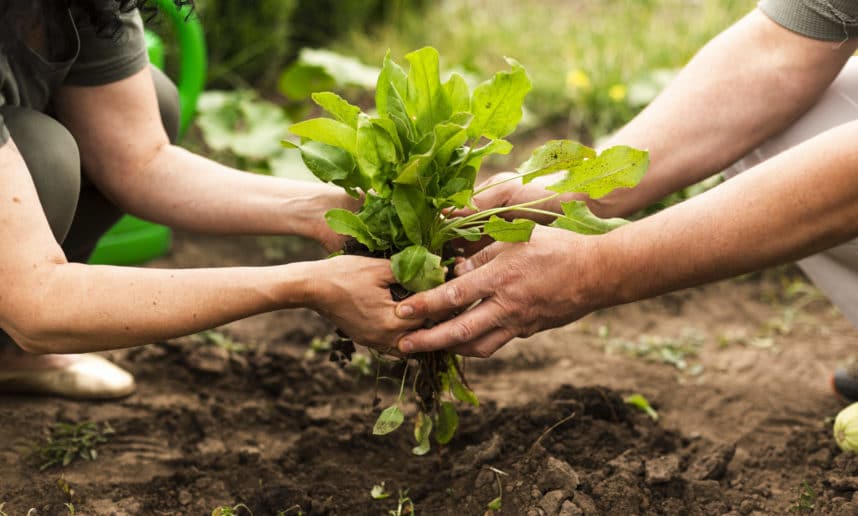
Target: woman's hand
354	293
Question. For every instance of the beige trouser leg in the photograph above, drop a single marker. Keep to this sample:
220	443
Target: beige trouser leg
835	271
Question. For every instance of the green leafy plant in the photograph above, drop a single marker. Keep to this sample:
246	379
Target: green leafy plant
67	441
404	506
415	161
805	500
497	502
641	403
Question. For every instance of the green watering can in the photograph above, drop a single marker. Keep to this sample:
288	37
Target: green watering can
132	240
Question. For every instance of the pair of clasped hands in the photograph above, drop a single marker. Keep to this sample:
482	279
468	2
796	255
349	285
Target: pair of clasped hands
501	291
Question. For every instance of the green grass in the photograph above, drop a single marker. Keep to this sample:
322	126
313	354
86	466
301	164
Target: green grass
588	59
66	442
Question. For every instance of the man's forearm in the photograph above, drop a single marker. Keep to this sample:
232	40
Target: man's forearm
793	205
743	87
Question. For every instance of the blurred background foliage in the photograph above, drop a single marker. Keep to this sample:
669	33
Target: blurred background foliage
594	63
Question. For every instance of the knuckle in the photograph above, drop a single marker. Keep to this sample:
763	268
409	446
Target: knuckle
454	293
463	332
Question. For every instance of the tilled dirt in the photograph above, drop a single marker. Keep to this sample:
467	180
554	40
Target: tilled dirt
267	426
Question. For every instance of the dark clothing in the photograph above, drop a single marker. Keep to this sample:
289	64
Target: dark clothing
829	20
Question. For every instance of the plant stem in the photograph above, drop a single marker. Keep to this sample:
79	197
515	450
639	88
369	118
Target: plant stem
480	215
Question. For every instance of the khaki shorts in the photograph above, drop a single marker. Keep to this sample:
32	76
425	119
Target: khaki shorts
835	271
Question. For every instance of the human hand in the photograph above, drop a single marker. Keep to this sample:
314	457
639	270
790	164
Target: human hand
322	232
523	288
354	293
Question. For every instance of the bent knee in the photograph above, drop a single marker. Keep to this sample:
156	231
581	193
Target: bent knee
53	159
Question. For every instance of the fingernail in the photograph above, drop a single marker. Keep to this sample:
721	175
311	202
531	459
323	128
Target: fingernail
404	311
406	346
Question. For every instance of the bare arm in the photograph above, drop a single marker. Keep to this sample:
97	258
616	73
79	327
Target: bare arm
744	86
49	305
125	152
797	203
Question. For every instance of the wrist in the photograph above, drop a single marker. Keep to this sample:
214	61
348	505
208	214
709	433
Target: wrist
298	285
304	212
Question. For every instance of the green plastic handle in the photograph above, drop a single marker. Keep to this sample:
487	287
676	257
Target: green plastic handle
192	45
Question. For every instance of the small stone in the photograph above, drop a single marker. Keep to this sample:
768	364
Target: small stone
585	503
535	493
208	359
551	502
713	465
662	470
570	509
535	511
557	474
627	462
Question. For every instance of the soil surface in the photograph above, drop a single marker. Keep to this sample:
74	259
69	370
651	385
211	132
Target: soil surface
737	372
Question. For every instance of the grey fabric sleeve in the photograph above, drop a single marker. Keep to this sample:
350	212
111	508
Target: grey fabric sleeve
828	20
103	60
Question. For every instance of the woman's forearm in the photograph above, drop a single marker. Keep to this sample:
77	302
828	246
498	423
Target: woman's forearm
182	189
91	308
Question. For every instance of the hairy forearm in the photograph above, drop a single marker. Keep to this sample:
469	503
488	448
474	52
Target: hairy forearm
793	205
69	307
187	191
743	87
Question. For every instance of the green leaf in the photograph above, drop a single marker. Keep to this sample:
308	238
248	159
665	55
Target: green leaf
639	401
458	93
416	269
518	230
389	420
338	107
446	422
496	504
376	151
327	162
577	217
345	222
553	156
327	130
346	70
410	204
496	104
425	98
617	167
475	159
422	430
300	80
461	392
389	101
469	234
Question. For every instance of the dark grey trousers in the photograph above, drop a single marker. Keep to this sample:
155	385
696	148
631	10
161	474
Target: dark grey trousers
76	210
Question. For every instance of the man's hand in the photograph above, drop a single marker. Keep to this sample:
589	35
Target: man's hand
354	293
522	288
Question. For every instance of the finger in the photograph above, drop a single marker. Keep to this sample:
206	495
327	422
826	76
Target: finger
486	345
482	257
457	293
466	327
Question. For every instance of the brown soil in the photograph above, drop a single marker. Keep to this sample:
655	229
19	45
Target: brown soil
274	429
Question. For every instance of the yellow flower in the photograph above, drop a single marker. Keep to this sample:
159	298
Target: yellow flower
578	79
617	92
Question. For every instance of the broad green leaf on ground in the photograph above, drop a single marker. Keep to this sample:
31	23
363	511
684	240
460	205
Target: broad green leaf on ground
518	230
422	430
299	81
616	167
446	423
338	107
426	100
327	130
388	421
345	222
577	217
496	103
345	70
458	94
327	162
413	212
639	401
241	123
416	269
553	156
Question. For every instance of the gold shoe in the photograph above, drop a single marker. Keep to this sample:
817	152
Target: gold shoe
88	377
